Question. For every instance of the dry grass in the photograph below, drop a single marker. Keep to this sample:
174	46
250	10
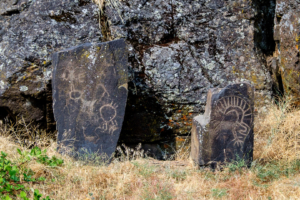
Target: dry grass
274	174
103	22
112	3
277	134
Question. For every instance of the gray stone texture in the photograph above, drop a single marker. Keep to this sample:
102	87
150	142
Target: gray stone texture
30	31
225	132
178	49
89	96
285	61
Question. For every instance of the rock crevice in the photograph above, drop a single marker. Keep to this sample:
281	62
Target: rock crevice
178	50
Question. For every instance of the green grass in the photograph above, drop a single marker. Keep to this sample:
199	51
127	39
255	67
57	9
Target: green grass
218	193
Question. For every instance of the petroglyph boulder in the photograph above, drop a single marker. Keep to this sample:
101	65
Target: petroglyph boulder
89	96
225	132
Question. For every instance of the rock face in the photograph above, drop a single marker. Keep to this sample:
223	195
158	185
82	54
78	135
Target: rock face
89	96
285	61
30	31
180	49
225	132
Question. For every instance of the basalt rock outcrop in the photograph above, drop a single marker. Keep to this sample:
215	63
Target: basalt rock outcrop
180	49
177	51
30	31
285	61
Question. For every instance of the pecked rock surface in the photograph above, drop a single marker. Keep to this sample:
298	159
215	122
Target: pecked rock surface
180	49
30	31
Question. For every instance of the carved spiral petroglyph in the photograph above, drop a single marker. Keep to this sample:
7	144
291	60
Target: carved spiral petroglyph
232	114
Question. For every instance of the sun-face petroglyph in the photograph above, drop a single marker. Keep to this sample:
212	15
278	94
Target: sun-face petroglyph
231	114
224	133
111	109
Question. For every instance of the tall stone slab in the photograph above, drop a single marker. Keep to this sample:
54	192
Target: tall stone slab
89	96
225	132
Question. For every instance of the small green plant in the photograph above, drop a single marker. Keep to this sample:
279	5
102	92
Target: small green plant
273	171
145	170
92	158
178	175
160	192
9	176
209	175
164	194
239	165
268	173
11	179
218	193
36	195
40	156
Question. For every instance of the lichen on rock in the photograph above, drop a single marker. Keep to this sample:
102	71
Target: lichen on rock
177	51
180	49
30	32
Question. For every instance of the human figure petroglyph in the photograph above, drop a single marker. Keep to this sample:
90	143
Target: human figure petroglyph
74	93
230	115
87	97
77	91
108	113
71	75
90	101
110	127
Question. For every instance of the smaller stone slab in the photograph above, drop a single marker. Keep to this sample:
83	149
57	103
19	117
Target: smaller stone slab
225	132
89	97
